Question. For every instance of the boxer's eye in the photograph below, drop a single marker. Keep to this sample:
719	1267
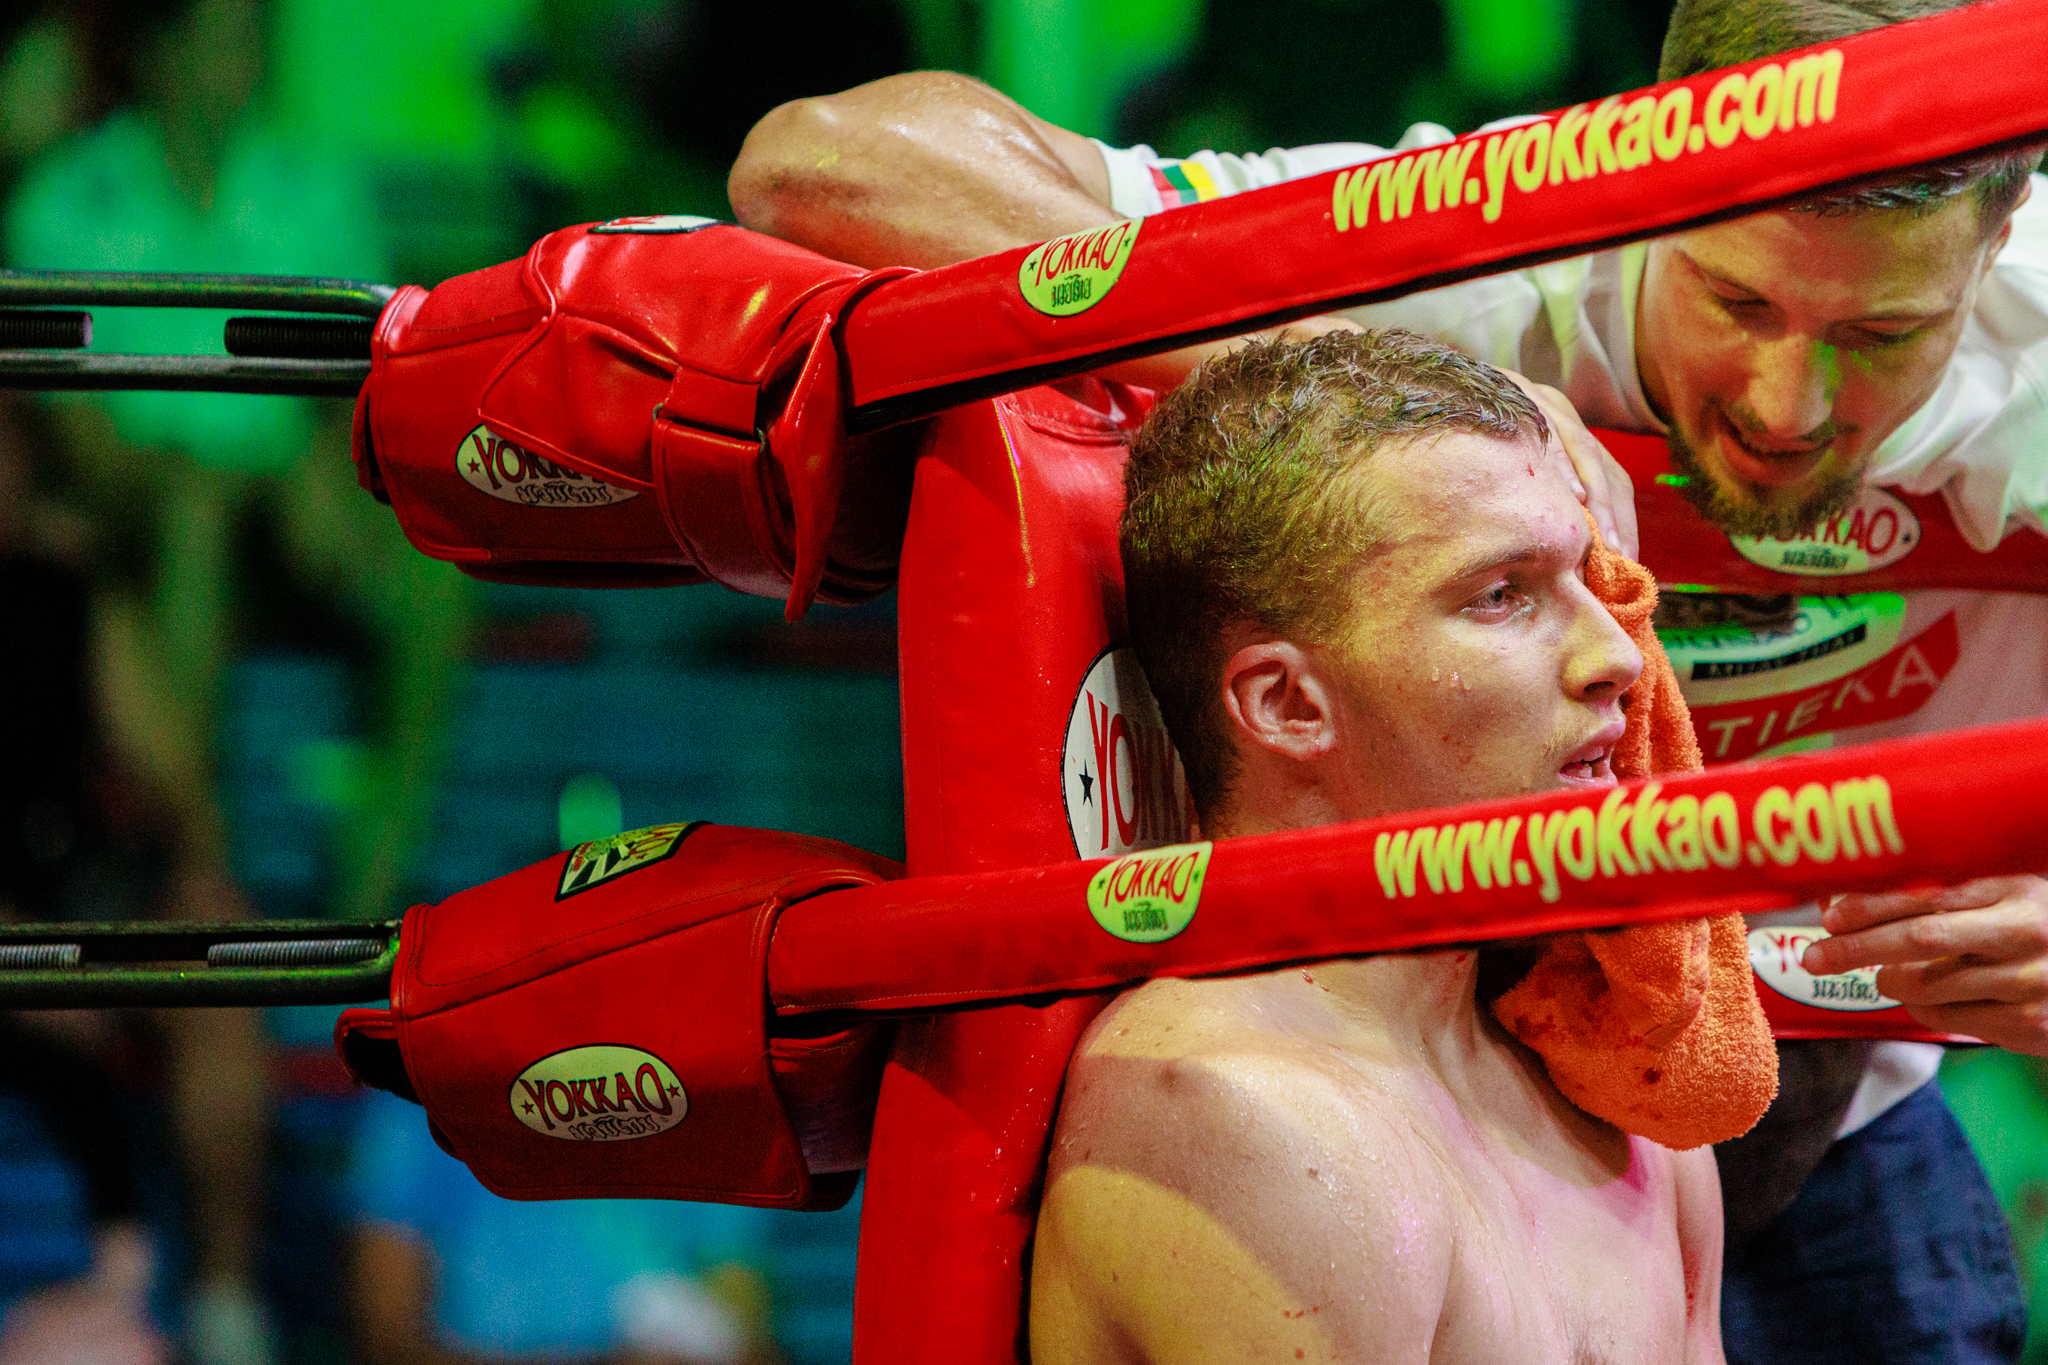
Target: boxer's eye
1743	310
1497	601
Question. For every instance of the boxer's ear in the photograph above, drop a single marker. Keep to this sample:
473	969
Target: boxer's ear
1276	699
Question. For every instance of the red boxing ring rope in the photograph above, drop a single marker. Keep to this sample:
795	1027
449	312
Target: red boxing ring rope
1925	811
1719	145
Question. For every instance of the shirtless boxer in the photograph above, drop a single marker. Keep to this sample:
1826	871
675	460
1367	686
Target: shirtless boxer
1355	580
1888	336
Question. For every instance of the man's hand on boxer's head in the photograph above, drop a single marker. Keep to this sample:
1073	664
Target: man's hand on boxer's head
1964	959
1602	484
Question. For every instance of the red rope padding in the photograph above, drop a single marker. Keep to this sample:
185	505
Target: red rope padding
1901	95
1923	811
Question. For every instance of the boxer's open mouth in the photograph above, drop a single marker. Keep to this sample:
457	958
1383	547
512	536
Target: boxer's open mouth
1591	765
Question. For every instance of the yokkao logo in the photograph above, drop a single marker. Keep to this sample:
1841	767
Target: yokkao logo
1072	274
491	464
1149	897
604	860
1876	531
604	1093
1120	776
1774	955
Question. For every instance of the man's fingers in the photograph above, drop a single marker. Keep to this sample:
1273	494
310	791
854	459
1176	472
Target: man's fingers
1957	981
1598	478
1847	914
1970	959
2016	1028
1609	493
1621	497
2011	931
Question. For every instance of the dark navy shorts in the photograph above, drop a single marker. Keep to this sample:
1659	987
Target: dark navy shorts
1893	1252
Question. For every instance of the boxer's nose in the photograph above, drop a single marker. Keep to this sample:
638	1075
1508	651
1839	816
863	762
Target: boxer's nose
1600	660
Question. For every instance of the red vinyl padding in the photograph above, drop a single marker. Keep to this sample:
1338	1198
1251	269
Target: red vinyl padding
1011	587
592	1026
677	350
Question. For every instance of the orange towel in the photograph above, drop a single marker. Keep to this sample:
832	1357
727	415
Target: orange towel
1655	1028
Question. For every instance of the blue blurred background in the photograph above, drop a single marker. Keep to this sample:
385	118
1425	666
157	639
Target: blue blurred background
287	699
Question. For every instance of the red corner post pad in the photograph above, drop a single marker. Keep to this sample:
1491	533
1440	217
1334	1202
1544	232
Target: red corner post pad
596	1025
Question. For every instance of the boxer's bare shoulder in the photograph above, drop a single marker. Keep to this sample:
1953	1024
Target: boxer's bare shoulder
1260	1169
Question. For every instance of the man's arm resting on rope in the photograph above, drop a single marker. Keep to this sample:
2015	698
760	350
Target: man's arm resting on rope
928	168
1964	959
922	169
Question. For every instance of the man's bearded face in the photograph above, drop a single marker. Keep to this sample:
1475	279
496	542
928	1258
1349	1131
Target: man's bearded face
1830	490
1783	348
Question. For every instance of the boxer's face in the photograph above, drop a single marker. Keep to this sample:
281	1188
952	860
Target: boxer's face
1783	348
1476	663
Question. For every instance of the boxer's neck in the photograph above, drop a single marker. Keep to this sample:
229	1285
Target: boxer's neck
1423	1004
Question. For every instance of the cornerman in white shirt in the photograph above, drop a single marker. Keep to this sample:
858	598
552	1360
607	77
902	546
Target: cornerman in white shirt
1894	336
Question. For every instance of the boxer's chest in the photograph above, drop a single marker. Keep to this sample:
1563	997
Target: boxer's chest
1565	1273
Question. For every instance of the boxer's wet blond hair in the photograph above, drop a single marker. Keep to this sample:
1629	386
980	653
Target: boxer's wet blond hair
1243	503
1705	35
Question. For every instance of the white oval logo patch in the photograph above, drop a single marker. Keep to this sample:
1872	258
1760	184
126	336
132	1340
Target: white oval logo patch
1774	956
604	1093
491	464
1877	530
1120	775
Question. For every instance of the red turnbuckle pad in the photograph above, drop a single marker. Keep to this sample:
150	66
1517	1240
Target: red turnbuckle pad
596	1025
637	402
